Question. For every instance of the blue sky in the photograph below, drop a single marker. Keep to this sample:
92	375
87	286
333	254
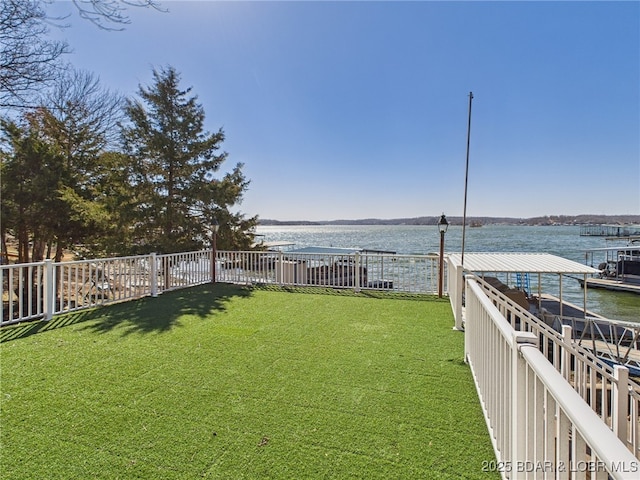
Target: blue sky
348	110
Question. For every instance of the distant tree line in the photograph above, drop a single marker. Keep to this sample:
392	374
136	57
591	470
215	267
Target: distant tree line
475	221
86	169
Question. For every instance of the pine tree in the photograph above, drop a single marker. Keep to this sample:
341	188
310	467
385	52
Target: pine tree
173	162
31	179
53	196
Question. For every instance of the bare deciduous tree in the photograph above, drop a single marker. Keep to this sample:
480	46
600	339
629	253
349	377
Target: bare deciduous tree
106	13
89	112
27	58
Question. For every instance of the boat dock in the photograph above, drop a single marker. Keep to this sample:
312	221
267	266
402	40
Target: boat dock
609	230
630	284
619	267
613	342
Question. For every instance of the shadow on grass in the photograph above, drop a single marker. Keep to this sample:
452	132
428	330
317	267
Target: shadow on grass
144	315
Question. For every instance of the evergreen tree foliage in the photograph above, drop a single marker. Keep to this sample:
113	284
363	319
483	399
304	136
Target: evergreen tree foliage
173	166
52	195
65	185
31	178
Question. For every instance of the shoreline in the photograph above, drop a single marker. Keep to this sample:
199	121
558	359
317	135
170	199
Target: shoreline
549	220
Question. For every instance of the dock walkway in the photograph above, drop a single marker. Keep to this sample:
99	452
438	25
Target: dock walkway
630	283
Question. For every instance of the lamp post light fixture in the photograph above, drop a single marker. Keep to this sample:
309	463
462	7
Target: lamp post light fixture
443	224
215	226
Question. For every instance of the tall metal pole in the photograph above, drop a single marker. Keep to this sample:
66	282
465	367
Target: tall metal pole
442	227
466	180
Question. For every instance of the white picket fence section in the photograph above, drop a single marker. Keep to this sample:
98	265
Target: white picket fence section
23	291
358	271
547	419
608	390
41	290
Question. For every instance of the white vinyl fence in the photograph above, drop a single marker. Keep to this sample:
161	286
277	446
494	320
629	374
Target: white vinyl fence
609	391
41	290
359	271
23	291
539	422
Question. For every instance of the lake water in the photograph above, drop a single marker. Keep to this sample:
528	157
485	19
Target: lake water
564	241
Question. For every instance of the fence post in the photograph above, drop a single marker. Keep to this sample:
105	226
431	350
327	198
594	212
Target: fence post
213	266
565	355
153	274
279	274
519	406
356	282
620	402
472	317
48	290
459	286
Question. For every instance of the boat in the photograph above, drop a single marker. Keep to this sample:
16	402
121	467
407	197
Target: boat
618	266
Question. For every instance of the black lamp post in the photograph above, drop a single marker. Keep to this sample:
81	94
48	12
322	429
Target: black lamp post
442	227
215	226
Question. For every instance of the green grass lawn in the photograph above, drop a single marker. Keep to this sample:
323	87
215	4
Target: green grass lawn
229	382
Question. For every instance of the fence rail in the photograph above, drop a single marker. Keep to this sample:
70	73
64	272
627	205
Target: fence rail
41	290
359	271
547	417
606	388
23	292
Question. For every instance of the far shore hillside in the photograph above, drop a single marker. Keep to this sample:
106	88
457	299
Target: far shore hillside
477	221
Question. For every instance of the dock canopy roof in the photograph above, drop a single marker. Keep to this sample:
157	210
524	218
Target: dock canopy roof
326	250
338	251
273	244
519	263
